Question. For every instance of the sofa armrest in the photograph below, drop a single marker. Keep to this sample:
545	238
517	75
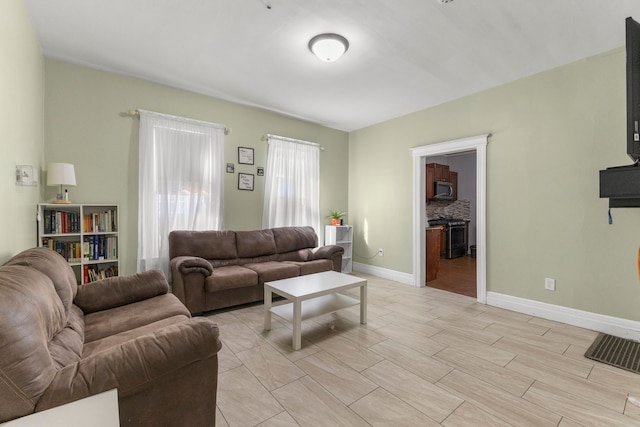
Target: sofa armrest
332	253
117	291
327	251
188	274
133	366
191	264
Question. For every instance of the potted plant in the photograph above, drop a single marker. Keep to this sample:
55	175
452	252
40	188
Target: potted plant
335	216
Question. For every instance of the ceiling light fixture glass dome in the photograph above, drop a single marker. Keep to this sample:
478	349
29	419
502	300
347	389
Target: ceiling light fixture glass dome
328	47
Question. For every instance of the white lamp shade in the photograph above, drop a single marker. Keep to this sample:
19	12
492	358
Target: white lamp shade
61	174
328	47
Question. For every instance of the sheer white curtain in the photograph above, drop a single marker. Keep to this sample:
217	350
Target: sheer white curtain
180	182
292	184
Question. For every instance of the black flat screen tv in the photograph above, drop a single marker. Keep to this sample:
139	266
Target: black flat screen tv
633	88
621	184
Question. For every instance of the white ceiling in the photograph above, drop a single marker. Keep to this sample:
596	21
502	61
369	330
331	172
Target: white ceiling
404	55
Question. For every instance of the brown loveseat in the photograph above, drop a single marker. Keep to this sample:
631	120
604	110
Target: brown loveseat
61	342
216	269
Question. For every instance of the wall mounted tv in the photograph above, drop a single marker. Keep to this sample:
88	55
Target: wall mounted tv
633	89
621	184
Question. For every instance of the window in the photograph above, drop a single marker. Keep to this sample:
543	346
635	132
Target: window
180	183
292	184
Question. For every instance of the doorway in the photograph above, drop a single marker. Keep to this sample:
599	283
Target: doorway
477	144
456	219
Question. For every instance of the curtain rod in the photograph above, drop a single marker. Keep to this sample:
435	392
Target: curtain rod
135	112
297	141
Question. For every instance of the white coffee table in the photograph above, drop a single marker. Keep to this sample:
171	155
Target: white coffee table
311	296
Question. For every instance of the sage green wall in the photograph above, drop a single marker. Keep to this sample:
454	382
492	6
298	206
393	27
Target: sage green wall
21	125
86	125
550	134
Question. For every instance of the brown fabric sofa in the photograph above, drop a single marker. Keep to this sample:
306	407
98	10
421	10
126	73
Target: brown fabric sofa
217	269
61	342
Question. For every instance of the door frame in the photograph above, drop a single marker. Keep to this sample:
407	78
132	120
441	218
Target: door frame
474	143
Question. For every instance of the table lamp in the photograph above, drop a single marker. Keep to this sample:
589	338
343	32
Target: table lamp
61	174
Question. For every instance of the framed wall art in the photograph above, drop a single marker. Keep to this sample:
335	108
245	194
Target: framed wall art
245	181
245	155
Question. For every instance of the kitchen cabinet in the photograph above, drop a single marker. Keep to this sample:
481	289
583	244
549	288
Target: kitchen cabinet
443	240
433	253
453	178
431	178
438	172
441	171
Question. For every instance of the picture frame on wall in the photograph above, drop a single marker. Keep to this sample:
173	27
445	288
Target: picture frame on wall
245	181
230	168
260	171
245	155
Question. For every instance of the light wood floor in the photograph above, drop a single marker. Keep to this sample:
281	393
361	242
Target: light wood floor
425	358
457	275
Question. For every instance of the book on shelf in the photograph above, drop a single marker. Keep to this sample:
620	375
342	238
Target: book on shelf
92	273
71	251
61	221
101	222
100	247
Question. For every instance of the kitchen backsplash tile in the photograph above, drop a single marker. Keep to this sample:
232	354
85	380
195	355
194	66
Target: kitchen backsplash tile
445	208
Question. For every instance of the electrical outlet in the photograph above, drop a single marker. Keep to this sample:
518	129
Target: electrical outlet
380	252
549	284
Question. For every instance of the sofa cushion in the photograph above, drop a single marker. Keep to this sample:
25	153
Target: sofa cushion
55	267
273	270
108	322
233	276
120	290
117	339
311	267
215	244
300	255
290	239
255	243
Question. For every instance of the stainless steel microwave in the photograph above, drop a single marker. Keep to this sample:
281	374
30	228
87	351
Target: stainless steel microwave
443	190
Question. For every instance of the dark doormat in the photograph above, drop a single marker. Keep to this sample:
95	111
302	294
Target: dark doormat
614	351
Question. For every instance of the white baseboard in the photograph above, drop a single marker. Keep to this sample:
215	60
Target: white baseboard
596	322
384	273
616	326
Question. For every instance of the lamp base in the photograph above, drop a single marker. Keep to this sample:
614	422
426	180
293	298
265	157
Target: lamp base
60	202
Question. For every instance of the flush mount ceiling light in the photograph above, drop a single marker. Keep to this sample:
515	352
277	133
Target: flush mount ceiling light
328	47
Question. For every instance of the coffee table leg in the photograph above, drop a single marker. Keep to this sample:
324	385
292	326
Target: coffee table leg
297	324
267	308
363	303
